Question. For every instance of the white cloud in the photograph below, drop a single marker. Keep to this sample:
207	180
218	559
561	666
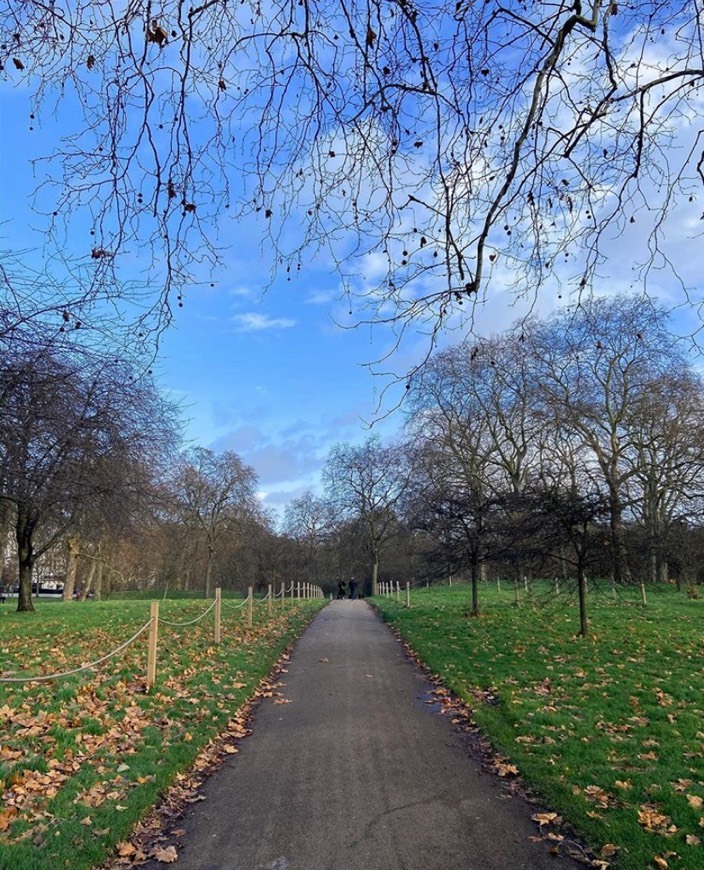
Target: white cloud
239	291
320	297
253	322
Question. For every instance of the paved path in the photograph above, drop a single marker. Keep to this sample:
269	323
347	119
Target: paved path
356	773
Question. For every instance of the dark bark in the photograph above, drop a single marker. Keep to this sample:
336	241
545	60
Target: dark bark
582	594
24	532
474	576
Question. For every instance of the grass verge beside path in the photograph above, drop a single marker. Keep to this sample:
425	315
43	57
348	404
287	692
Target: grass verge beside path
609	730
83	758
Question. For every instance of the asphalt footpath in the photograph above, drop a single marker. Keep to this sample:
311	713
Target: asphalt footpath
356	772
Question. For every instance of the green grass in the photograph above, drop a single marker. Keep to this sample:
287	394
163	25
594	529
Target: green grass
83	758
603	728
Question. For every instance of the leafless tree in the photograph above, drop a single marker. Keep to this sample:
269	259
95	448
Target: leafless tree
213	495
469	145
456	460
71	428
366	483
593	366
666	451
310	522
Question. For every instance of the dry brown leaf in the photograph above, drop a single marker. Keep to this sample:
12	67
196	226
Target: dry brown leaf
165	856
6	817
694	801
544	818
692	840
608	851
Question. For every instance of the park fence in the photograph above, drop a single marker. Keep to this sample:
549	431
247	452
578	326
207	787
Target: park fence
293	592
389	589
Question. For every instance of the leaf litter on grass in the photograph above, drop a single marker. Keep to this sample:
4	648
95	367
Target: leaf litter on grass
83	759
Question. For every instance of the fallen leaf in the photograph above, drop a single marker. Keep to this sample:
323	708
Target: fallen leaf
165	856
544	818
694	801
608	851
692	840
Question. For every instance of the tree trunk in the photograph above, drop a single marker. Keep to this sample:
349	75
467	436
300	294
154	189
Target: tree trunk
6	573
24	530
474	576
582	592
99	581
619	556
208	590
653	563
73	548
89	580
375	575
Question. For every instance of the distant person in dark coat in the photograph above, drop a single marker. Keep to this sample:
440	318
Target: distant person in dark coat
340	590
353	588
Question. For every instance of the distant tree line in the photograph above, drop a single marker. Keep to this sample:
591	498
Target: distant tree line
570	447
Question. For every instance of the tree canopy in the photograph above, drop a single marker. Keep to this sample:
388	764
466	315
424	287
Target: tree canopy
457	148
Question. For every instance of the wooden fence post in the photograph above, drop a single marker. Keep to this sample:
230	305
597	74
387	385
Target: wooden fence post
218	612
293	588
270	601
151	652
283	595
408	594
250	606
398	591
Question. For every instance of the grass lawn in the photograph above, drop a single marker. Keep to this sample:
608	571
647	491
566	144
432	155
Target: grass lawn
83	758
608	729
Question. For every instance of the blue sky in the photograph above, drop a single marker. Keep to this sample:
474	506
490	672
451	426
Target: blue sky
270	373
272	377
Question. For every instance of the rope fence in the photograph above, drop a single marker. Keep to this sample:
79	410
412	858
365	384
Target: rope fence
86	667
309	592
191	621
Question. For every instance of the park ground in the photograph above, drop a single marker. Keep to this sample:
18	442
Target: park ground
608	729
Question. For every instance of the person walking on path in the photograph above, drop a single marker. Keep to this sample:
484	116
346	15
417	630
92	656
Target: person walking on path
340	589
353	588
350	768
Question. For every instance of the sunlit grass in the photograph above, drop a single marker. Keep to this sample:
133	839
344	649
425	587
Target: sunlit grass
604	727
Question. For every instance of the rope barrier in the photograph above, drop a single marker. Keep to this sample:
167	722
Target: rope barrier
262	600
190	622
234	606
85	667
